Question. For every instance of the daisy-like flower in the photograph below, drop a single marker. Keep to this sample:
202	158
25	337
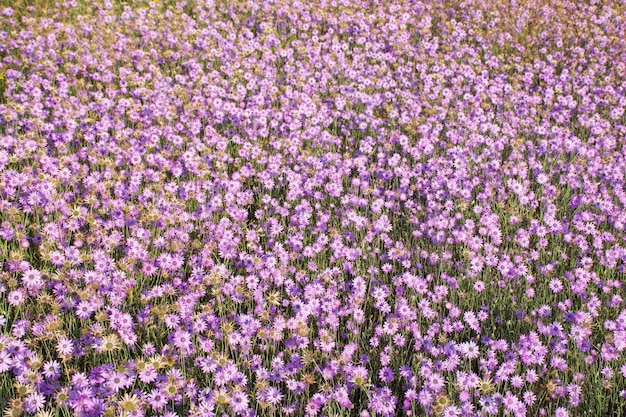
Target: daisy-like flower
16	408
148	374
452	411
32	279
485	385
273	396
62	396
51	369
65	347
16	297
23	389
84	310
469	349
34	402
383	402
239	402
359	376
45	413
222	397
109	343
561	412
386	374
116	381
157	399
5	361
529	398
129	403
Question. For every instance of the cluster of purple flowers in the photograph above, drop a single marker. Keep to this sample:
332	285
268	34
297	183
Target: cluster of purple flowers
313	208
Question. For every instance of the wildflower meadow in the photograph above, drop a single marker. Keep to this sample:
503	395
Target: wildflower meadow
367	208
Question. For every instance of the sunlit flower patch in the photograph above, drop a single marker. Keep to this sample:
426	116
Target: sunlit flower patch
322	208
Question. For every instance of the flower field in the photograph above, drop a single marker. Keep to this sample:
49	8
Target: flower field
313	208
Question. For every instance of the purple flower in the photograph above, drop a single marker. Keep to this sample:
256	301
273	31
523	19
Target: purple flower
386	375
382	401
561	412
